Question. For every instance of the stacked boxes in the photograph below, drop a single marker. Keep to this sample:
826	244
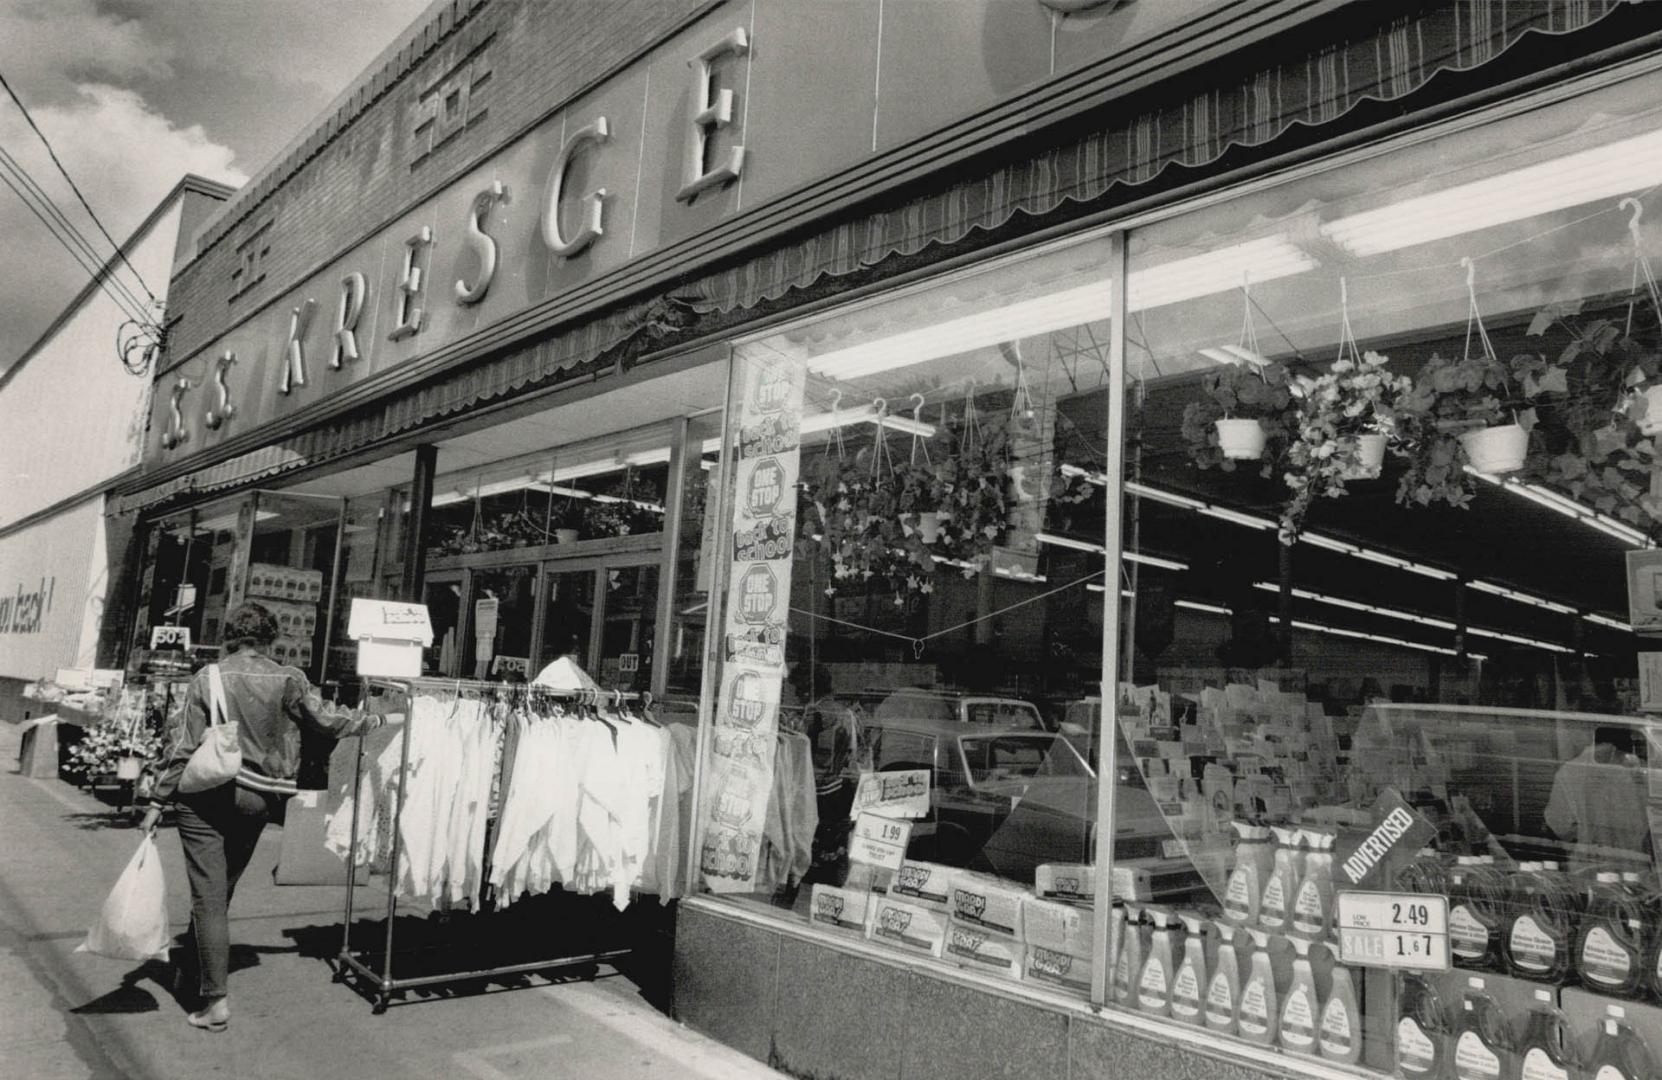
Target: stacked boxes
293	597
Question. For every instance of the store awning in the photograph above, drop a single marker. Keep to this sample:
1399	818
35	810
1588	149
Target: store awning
1385	64
1316	92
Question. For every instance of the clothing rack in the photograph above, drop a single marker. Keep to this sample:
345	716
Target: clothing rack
385	982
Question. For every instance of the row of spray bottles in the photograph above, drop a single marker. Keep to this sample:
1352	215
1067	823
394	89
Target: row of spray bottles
1276	891
1201	982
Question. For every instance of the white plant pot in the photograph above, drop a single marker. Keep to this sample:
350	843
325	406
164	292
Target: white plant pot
929	527
565	536
128	768
1650	423
1369	454
1241	440
1496	450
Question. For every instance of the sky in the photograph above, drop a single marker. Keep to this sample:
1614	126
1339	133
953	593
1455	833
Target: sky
133	94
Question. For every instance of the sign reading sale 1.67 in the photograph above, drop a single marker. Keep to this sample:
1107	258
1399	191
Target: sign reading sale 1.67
1393	930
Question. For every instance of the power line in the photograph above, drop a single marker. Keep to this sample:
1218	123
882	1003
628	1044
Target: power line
84	261
97	268
84	204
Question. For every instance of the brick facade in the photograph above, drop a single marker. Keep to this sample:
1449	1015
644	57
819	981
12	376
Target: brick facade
480	72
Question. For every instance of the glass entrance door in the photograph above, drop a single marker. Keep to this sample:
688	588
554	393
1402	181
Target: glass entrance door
498	643
601	614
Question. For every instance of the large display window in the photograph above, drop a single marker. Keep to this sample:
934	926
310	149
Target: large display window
1389	456
911	622
1380	496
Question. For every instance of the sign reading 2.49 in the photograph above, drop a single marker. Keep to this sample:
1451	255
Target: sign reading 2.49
1393	930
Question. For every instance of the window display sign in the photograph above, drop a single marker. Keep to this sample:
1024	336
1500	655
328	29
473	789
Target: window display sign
1644	591
901	794
879	841
768	421
1363	858
1393	930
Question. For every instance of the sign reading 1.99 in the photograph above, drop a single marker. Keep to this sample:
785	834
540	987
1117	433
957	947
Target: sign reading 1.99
1393	930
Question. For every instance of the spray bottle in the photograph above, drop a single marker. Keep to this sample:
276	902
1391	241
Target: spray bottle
1154	980
1253	858
1312	915
1128	965
1189	986
1288	861
1255	1017
1301	1008
1223	991
1341	1030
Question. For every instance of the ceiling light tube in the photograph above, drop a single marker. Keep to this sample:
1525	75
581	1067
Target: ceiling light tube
1519	597
1069	542
1210	609
1153	560
1585	176
1604	620
1170	497
1220	271
990	326
577	472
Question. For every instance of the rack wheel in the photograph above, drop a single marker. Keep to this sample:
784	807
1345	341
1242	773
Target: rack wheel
379	1007
340	974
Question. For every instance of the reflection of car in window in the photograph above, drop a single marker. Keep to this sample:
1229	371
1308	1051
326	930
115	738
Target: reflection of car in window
1005	801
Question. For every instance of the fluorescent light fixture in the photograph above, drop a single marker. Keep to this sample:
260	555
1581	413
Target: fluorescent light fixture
1019	575
1222	270
1533	643
1368	554
1602	172
1124	593
1235	517
951	337
1153	560
1170	498
1604	620
1562	504
1519	597
1230	355
866	414
1210	609
1356	605
1099	479
576	472
228	521
660	456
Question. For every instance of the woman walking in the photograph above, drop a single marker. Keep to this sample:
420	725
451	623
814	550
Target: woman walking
220	827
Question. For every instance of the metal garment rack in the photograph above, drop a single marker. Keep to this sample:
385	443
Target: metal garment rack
385	982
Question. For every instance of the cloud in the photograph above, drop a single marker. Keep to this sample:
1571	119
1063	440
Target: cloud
48	48
125	156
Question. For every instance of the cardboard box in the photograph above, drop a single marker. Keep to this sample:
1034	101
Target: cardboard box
842	911
907	927
1061	928
1067	882
980	950
987	905
1063	971
924	883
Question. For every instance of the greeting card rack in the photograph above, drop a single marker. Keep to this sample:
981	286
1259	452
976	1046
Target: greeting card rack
386	984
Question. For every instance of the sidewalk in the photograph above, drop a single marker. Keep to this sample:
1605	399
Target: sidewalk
68	1015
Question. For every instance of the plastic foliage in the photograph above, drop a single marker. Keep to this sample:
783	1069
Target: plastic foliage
1242	392
1355	396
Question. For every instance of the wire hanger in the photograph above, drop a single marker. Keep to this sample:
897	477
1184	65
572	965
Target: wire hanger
1474	318
918	442
1641	264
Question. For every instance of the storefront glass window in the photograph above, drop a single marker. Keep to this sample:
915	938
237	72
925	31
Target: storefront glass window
1411	674
912	586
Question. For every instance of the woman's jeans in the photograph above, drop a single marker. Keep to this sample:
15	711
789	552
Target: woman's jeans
219	830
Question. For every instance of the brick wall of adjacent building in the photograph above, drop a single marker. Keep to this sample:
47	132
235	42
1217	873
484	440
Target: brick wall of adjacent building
507	63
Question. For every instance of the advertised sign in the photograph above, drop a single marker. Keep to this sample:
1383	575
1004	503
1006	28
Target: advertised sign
901	794
879	841
1393	930
1363	858
755	621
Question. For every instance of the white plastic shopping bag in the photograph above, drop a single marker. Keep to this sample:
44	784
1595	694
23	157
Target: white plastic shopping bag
133	924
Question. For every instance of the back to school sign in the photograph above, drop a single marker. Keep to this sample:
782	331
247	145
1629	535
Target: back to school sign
754	622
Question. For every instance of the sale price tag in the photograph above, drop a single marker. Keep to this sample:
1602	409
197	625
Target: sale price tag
170	637
1393	930
879	841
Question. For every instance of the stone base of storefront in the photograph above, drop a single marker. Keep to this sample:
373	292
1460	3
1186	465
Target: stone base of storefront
814	1007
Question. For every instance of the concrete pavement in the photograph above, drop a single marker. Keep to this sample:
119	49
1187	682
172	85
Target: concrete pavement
68	1015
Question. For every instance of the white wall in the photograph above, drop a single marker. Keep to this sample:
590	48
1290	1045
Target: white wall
64	559
71	417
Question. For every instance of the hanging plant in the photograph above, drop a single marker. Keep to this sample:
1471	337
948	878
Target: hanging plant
1245	412
856	521
970	490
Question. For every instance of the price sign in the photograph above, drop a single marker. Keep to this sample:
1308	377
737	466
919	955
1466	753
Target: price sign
879	841
170	637
1393	930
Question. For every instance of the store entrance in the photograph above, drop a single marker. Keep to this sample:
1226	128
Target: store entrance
511	621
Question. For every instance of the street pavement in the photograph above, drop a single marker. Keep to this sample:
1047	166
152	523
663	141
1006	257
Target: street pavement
73	1016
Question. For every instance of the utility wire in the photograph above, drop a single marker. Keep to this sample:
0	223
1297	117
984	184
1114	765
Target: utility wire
82	260
134	305
84	204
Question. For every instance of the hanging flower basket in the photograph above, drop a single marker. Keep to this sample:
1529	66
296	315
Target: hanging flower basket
929	526
565	536
1496	450
1365	456
128	768
1241	440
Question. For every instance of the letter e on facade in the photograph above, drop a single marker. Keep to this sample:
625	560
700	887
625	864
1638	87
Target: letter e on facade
409	286
713	114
